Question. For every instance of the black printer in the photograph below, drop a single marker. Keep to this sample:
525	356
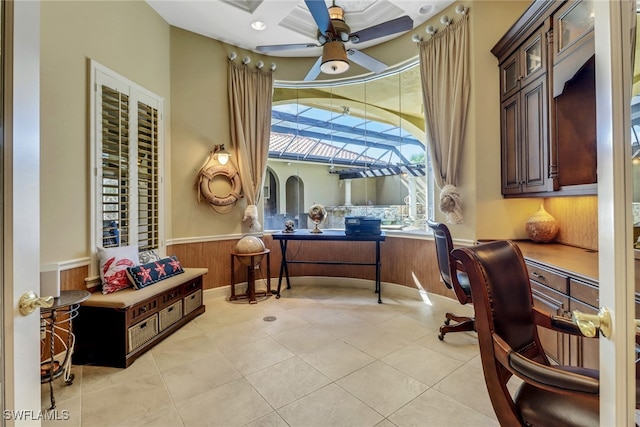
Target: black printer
361	225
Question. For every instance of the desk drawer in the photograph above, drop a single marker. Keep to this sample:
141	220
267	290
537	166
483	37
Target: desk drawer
547	277
584	292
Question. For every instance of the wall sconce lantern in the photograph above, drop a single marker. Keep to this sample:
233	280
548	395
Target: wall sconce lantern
220	154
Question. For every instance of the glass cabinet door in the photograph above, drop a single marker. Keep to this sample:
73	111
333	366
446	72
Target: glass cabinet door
533	57
510	76
574	23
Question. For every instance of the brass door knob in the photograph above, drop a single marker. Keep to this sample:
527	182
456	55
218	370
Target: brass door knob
30	301
589	324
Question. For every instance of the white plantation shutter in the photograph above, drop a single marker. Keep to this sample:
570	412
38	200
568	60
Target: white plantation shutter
115	168
148	177
127	131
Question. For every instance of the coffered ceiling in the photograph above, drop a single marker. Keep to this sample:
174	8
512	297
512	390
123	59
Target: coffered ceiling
285	21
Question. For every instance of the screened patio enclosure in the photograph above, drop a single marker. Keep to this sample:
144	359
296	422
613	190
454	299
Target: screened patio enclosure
357	148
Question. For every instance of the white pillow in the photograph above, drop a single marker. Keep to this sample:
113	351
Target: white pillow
113	267
148	256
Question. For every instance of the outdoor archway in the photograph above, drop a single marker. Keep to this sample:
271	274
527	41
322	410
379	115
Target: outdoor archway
295	201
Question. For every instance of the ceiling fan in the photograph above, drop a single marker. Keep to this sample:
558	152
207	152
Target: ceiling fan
333	33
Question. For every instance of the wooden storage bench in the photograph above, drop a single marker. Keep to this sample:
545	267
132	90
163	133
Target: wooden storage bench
115	329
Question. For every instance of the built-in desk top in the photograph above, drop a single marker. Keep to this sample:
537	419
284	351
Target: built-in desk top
577	261
305	234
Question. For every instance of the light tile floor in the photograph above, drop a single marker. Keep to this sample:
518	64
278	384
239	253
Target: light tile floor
332	357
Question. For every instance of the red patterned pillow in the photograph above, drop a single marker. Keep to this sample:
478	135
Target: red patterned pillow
154	271
113	267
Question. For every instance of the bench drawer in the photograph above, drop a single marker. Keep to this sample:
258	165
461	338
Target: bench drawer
170	315
192	301
192	285
142	310
142	332
171	297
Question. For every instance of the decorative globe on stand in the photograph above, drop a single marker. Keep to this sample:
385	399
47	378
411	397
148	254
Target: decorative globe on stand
317	214
250	245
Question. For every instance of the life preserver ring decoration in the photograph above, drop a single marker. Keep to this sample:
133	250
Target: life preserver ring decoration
228	172
210	170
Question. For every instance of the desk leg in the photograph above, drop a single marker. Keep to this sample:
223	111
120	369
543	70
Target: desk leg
283	267
378	287
269	273
251	281
233	279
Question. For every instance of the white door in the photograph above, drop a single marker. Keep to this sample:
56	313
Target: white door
20	217
614	22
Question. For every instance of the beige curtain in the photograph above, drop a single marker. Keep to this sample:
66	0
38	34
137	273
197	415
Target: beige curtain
250	95
444	68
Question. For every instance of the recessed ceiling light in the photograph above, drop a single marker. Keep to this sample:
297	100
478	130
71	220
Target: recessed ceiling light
258	25
426	9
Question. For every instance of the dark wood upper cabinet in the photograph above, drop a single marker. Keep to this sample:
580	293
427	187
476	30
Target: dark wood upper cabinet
547	100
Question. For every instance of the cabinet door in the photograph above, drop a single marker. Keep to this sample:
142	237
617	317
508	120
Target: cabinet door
573	24
510	140
534	137
534	57
510	75
553	302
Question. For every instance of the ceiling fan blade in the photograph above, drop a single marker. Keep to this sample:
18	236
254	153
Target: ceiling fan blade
314	72
320	14
366	61
398	25
278	47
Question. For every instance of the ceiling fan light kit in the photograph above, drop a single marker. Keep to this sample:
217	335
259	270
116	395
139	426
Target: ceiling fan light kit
333	32
334	58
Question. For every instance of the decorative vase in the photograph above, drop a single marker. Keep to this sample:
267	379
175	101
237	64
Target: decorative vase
542	227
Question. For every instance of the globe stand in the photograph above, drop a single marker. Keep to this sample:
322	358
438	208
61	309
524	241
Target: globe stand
252	262
317	214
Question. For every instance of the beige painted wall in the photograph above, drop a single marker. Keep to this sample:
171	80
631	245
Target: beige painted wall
200	120
490	216
127	37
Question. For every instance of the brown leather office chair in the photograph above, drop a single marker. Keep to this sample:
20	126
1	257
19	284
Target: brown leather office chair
453	279
506	322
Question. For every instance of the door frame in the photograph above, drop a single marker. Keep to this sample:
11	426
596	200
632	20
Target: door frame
20	220
613	46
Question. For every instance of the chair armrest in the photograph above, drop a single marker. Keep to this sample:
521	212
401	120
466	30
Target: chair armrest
557	323
551	378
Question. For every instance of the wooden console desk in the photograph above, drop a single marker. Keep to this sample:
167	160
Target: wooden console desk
326	235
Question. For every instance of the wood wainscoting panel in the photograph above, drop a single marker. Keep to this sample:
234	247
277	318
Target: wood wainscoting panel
73	279
404	261
214	255
412	263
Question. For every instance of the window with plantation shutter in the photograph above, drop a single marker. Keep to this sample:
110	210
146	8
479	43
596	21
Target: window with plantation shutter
127	147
